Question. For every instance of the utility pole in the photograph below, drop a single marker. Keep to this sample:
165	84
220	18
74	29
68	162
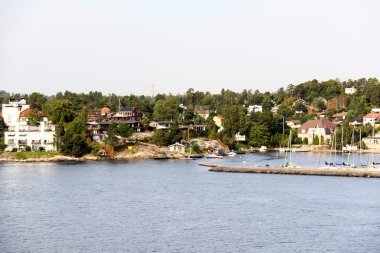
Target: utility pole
152	89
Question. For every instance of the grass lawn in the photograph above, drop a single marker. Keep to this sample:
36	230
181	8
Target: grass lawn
21	155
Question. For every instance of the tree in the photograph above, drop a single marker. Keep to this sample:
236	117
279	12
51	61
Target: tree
60	110
319	103
36	101
74	141
124	130
259	136
3	128
112	132
285	111
35	117
166	109
300	107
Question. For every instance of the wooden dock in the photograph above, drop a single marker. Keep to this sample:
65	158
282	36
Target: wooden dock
340	172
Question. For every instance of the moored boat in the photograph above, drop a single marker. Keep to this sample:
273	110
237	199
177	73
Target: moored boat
214	156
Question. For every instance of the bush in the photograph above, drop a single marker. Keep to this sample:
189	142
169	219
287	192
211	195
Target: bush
14	149
20	156
196	149
95	148
41	149
28	148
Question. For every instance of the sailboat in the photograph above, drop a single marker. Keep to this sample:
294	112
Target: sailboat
288	157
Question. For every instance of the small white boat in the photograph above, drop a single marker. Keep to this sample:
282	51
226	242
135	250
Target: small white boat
263	149
213	156
231	154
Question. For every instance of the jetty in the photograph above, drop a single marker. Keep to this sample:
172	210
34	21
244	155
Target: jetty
334	171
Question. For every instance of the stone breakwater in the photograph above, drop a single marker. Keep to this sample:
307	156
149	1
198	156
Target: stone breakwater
342	172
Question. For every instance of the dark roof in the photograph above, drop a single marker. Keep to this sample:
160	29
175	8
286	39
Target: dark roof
202	107
127	109
317	123
166	122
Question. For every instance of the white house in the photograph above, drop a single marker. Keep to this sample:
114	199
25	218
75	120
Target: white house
177	147
377	110
20	134
274	109
203	111
254	108
373	143
239	137
319	127
371	118
350	91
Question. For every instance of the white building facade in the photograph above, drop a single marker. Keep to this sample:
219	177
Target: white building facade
20	135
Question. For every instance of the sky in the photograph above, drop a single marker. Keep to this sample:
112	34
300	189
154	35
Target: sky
122	46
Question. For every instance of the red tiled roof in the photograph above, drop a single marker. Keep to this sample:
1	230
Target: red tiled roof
25	113
372	115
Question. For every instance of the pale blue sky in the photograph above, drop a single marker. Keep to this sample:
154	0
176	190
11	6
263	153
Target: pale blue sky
124	46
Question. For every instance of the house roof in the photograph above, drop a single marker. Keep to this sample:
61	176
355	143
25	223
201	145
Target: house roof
177	144
372	115
341	114
25	113
202	108
318	123
127	109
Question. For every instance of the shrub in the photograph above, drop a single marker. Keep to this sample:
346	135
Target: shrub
20	156
41	149
28	148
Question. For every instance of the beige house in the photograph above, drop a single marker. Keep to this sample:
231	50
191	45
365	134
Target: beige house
218	120
203	111
177	147
319	127
371	118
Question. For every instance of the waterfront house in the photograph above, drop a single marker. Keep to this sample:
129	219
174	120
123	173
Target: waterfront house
203	111
20	134
254	108
293	123
339	117
356	122
350	90
371	118
163	125
199	128
105	110
274	109
177	147
218	121
94	115
318	127
372	143
240	137
126	114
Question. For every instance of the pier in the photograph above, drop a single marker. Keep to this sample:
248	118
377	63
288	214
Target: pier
338	171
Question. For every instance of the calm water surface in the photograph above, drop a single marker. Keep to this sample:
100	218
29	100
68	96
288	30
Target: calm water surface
177	206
